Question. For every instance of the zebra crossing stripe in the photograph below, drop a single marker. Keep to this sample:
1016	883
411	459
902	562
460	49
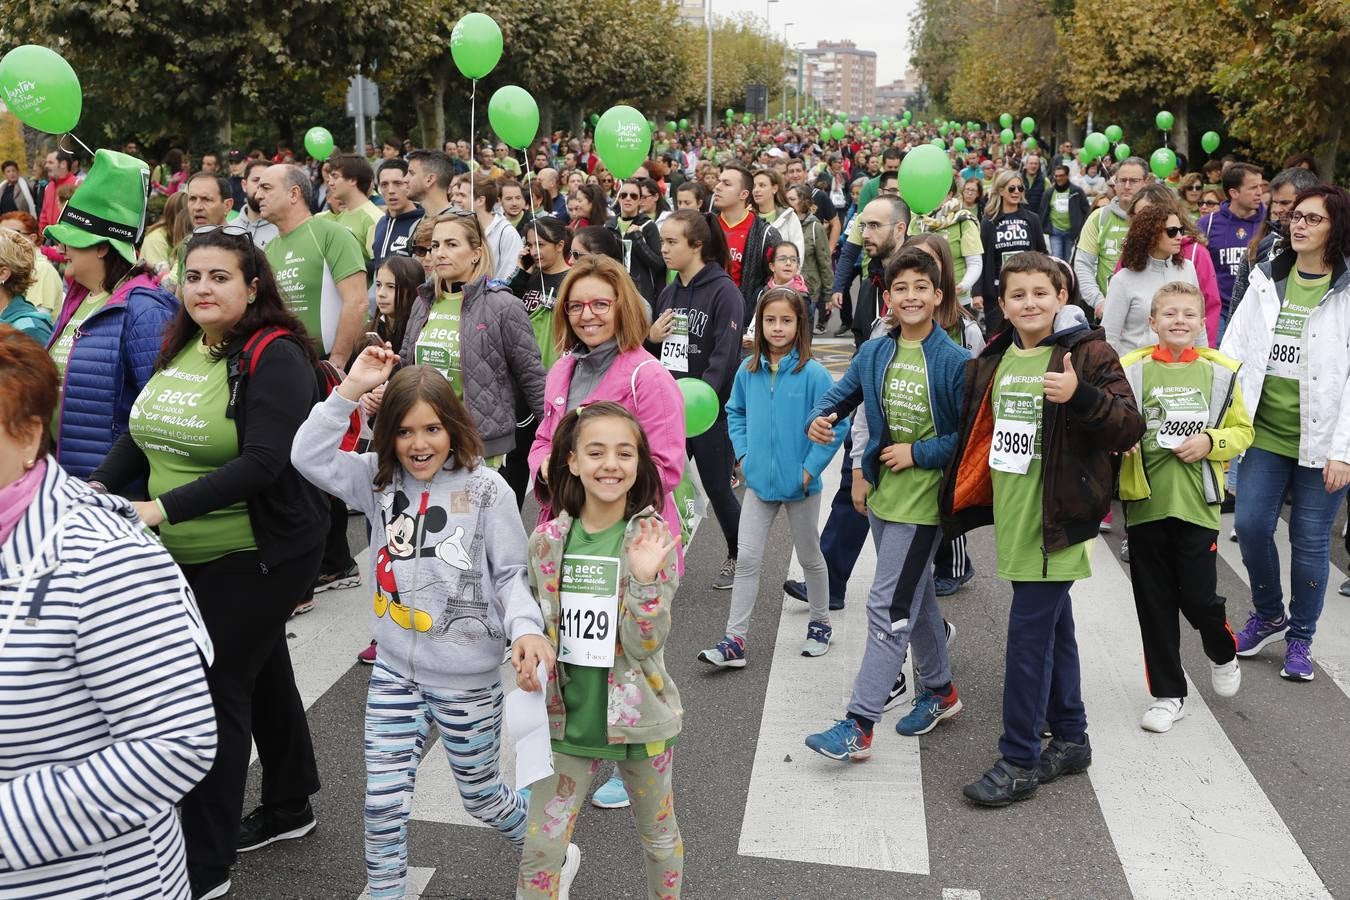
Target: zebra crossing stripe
418	879
1186	815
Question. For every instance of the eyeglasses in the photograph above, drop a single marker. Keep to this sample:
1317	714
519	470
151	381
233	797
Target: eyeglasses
625	195
1208	203
236	231
412	250
780	258
597	307
1313	219
1128	182
1193	187
1014	189
1173	230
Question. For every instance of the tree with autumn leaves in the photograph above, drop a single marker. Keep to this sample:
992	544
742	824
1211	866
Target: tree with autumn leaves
1268	75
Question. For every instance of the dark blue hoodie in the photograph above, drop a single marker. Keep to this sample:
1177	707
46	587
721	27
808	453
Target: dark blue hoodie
394	234
714	306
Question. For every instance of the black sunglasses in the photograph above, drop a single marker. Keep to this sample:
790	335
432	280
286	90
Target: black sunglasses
1173	230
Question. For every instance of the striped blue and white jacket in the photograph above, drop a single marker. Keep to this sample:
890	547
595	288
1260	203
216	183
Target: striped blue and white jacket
105	716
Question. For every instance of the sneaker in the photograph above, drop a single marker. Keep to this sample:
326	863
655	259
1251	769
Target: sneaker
1229	502
1163	714
1298	664
947	586
1125	550
817	641
303	606
728	654
1061	757
1345	588
929	709
1105	525
610	795
797	591
896	693
846	740
1003	784
1225	678
568	873
336	580
210	890
820	327
726	576
948	631
1258	632
843	331
1232	535
267	825
367	655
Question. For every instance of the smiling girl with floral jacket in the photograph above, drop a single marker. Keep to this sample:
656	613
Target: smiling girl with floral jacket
604	573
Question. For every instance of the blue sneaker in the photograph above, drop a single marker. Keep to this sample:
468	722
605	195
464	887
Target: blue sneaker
728	654
846	740
1298	664
946	586
929	709
817	641
610	795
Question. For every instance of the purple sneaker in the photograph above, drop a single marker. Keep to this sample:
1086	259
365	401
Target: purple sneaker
1258	632
1297	661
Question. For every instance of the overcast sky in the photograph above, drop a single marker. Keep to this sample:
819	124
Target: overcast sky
871	24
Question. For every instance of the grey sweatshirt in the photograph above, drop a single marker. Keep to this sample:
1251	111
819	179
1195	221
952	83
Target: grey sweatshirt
449	557
1129	297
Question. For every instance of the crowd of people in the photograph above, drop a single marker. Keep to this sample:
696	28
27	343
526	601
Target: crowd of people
431	337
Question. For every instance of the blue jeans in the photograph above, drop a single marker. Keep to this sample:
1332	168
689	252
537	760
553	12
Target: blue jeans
1061	243
1263	480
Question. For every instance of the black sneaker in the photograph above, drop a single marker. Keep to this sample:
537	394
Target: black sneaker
333	580
1063	758
267	825
797	591
1003	784
820	328
896	693
208	888
1229	502
843	331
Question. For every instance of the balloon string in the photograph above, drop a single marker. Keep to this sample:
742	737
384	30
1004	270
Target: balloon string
534	216
473	143
71	135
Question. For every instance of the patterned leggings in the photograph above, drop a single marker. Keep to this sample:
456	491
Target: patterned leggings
399	714
556	800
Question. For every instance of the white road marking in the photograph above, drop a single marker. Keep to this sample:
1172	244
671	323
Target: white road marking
418	879
802	806
1187	817
959	894
328	637
1331	644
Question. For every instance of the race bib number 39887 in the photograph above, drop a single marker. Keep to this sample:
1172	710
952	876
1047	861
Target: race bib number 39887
590	610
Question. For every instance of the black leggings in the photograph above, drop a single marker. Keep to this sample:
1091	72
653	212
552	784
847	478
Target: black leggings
253	691
715	457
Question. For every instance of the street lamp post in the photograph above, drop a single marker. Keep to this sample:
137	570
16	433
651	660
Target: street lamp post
708	24
783	85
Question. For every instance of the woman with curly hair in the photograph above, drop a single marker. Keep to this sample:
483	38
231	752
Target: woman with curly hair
1150	258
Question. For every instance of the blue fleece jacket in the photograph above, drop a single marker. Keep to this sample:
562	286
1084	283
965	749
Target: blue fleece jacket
864	383
760	403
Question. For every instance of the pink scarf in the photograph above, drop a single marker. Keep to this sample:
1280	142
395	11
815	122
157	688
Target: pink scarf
16	497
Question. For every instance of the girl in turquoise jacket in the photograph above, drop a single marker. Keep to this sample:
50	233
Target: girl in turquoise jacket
778	383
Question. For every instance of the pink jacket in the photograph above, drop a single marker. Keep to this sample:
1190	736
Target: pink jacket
636	381
1199	256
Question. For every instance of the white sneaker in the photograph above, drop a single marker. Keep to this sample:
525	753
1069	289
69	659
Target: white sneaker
1159	717
1232	535
1225	677
571	863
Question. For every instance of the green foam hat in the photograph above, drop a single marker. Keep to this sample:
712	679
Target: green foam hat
109	205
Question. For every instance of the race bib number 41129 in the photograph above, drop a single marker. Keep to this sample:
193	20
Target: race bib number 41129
590	610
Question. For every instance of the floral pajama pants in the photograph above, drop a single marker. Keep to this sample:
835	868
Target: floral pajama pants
556	800
399	714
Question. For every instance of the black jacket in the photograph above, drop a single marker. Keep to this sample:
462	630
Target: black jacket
288	514
868	307
763	237
1035	189
642	252
713	306
1078	210
1006	233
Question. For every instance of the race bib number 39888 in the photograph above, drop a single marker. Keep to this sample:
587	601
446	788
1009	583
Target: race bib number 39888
590	610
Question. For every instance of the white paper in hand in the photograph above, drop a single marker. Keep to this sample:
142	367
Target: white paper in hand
526	718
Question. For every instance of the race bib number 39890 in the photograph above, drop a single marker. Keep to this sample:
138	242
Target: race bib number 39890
1016	421
590	610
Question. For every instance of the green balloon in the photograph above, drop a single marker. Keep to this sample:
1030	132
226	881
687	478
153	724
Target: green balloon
1028	125
595	119
651	123
41	88
514	115
684	124
925	178
1030	143
1164	120
837	131
746	118
622	139
1005	120
1122	152
319	143
1210	141
876	132
476	45
1114	133
1162	162
1096	145
731	114
700	405
866	120
1006	136
959	145
1084	157
939	143
672	125
943	129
